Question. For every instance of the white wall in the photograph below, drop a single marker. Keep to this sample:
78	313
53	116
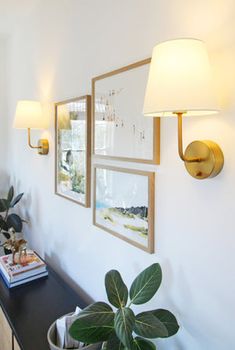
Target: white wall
3	110
53	54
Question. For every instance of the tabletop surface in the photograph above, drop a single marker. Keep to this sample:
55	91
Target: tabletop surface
31	308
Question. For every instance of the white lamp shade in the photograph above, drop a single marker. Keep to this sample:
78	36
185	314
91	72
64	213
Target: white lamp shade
180	80
29	115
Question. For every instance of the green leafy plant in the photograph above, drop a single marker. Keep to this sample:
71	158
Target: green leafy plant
78	182
10	220
98	322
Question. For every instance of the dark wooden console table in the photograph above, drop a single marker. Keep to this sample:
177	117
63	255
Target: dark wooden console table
31	308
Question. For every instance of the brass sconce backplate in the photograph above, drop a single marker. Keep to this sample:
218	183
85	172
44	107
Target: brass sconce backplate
43	146
211	159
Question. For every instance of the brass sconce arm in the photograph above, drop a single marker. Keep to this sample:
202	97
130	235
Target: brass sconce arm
202	159
29	140
43	145
180	141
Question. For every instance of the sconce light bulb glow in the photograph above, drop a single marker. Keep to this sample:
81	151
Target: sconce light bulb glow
29	115
180	80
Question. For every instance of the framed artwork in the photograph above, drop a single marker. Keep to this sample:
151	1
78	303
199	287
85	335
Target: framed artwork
73	149
120	130
123	204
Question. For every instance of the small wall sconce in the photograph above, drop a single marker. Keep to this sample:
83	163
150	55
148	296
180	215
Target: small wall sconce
180	84
29	116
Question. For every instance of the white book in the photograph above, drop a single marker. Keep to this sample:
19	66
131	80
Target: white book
24	280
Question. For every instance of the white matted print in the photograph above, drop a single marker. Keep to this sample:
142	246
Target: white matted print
124	204
119	127
73	149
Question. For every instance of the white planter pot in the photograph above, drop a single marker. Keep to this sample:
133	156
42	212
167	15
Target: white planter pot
51	337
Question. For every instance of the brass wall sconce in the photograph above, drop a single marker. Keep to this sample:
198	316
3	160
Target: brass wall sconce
29	116
180	84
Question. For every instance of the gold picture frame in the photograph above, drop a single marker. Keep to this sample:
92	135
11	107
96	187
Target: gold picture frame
73	149
120	130
126	212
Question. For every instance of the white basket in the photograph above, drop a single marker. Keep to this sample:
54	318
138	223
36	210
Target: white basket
51	337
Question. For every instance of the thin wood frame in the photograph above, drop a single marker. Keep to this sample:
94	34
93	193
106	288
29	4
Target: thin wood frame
87	98
156	120
151	205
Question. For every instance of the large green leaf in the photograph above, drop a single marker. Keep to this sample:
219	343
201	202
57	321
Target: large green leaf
146	284
94	323
114	343
123	323
13	220
142	344
116	289
168	319
4	205
10	194
16	200
148	326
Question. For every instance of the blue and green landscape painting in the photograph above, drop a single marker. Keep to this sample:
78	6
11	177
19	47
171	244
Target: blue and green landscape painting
130	219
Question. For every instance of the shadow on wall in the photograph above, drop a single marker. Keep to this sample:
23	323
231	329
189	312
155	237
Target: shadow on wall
4	149
54	261
5	182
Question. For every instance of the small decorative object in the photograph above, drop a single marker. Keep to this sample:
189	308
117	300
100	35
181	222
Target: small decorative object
73	149
10	220
32	267
124	204
98	322
16	246
118	115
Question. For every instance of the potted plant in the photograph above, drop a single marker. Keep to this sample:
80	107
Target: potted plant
122	329
10	220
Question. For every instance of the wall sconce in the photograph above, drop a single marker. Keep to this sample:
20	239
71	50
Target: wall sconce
29	116
180	84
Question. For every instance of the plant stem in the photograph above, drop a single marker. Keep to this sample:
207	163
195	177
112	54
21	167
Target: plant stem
6	215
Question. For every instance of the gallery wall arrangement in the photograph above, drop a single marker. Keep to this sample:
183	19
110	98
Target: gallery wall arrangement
110	124
123	199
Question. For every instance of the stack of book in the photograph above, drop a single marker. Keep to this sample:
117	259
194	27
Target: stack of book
31	268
